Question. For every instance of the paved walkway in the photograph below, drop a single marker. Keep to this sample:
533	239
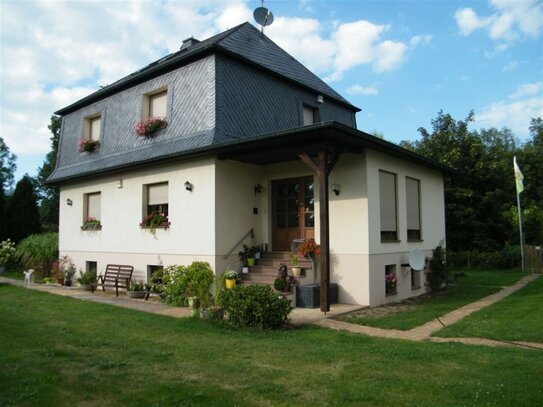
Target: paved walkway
315	316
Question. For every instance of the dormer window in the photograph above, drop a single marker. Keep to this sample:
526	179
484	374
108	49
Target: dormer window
155	103
311	115
92	128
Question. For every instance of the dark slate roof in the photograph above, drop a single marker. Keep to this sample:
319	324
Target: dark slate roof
244	42
262	149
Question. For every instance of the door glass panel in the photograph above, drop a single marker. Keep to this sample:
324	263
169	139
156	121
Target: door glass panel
309	220
292	205
282	191
281	206
293	190
293	220
309	204
309	188
281	221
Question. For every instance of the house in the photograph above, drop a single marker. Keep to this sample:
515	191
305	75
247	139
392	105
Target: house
254	141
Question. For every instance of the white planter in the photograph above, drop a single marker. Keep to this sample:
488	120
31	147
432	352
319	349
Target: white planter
296	271
245	270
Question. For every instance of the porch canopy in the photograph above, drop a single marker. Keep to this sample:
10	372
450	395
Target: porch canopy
319	147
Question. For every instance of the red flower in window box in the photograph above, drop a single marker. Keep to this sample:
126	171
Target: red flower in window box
86	145
148	127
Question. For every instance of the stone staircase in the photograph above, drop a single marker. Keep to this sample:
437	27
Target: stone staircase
266	269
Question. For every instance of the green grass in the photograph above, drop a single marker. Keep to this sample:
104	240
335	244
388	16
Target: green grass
474	286
63	352
517	317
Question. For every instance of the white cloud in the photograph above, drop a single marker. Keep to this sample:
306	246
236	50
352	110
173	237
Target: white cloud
516	112
510	66
349	45
361	90
425	39
510	20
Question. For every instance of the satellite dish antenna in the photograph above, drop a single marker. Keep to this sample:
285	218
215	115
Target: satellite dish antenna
416	260
263	16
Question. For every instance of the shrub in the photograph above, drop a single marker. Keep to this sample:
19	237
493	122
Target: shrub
181	282
39	252
256	306
280	284
87	277
7	252
506	258
437	275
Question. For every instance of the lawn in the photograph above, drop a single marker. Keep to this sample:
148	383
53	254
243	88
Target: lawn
64	352
474	286
516	318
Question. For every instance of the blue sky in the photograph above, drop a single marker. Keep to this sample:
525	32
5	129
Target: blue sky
399	61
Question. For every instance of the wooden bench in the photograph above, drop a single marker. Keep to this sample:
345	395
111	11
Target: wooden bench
116	275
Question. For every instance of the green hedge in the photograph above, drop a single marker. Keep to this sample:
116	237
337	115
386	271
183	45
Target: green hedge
256	306
506	258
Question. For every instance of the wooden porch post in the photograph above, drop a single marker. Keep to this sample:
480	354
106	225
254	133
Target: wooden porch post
322	170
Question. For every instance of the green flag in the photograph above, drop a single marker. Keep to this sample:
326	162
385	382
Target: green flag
519	178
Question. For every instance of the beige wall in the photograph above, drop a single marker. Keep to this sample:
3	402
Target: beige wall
190	237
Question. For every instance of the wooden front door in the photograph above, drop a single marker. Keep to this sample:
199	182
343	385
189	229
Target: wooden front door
293	211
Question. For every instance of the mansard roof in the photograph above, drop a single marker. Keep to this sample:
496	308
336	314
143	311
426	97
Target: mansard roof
244	42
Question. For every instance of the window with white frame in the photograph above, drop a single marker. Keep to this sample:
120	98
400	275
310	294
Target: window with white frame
412	198
155	205
92	211
388	206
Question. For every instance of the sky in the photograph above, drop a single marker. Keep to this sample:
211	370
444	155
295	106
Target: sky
400	61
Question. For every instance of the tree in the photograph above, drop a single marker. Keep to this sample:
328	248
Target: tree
22	215
49	194
7	167
3	229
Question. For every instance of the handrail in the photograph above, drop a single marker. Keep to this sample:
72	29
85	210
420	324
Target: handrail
251	232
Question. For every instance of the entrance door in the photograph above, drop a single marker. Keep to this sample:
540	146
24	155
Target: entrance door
293	211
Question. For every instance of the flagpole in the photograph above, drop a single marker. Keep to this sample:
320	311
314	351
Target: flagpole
521	235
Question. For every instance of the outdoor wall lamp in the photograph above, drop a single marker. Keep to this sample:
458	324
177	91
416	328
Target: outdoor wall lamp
188	186
69	202
258	189
336	188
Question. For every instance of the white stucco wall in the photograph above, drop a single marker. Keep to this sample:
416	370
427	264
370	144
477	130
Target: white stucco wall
190	237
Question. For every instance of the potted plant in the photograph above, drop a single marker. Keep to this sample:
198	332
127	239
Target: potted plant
390	283
309	249
87	146
247	256
230	278
86	279
66	265
135	289
295	264
281	284
150	126
256	251
58	272
215	311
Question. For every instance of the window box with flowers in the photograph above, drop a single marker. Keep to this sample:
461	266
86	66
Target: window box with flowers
150	126
87	145
155	221
91	223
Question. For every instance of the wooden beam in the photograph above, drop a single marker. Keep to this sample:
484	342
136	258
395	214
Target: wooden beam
324	228
309	161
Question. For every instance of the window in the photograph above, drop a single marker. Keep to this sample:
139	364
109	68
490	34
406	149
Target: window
387	203
311	115
155	206
92	128
415	279
92	267
391	280
151	269
92	211
155	104
412	197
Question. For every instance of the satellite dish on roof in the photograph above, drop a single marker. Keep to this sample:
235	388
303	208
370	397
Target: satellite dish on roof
263	16
416	260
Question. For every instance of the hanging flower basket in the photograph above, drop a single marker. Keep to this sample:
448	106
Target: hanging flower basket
153	221
87	146
148	127
91	223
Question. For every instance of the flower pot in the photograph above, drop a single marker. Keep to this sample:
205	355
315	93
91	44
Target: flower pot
68	283
86	287
296	271
230	283
257	255
213	314
251	261
135	294
60	281
245	270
